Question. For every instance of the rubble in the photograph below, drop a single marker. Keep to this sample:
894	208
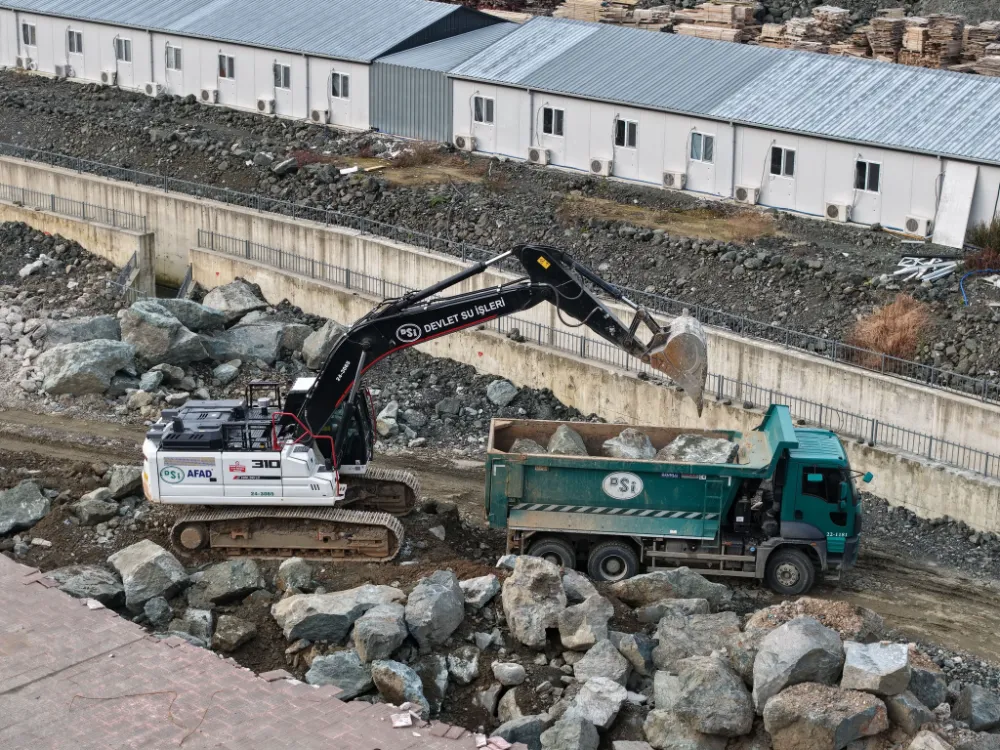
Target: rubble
432	669
570	733
22	506
908	713
665	730
480	591
681	636
231	633
463	664
582	625
85	367
379	632
577	586
879	668
318	345
158	337
343	669
566	441
501	392
527	445
229	581
637	648
147	570
630	443
435	608
711	698
84	328
294	573
599	701
603	660
698	449
533	597
398	683
801	650
508	674
978	707
90	582
526	729
329	617
822	718
234	300
675	583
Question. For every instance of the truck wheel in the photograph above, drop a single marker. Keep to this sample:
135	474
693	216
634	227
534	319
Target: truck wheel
556	551
612	561
790	572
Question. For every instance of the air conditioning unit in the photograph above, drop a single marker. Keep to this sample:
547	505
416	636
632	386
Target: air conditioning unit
22	63
747	194
209	96
109	77
675	180
838	212
321	116
63	71
601	166
465	143
265	105
538	155
918	226
153	89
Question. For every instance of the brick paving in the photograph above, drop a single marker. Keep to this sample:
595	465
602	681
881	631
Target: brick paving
75	676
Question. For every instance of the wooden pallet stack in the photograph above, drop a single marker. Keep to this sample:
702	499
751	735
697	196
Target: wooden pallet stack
731	22
772	35
978	38
943	47
856	45
915	36
886	38
596	11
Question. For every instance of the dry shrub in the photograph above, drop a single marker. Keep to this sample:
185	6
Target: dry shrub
365	151
986	236
419	155
304	156
895	329
987	259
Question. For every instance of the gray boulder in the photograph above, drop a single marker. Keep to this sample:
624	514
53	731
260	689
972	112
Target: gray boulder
658	610
159	337
294	573
978	707
435	609
150	381
432	669
682	636
22	506
598	701
508	708
90	582
294	336
85	367
577	586
250	341
926	740
196	317
231	633
91	511
665	730
908	713
603	660
124	480
78	330
699	449
567	442
397	684
801	650
570	733
329	617
479	592
227	372
819	717
318	345
343	669
508	674
527	445
197	622
928	684
675	583
501	392
463	664
525	729
147	570
379	632
666	689
879	668
533	597
630	745
234	300
488	698
584	624
629	443
638	649
742	649
712	698
230	581
158	612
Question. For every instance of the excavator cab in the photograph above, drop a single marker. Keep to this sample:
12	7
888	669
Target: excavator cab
356	441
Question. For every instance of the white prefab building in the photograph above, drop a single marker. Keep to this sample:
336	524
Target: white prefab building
305	59
911	149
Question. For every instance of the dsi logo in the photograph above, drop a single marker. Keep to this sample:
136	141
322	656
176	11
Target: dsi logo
408	332
622	485
172	475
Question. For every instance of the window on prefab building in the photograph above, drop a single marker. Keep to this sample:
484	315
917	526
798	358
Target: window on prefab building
282	76
340	86
173	58
482	110
782	161
552	121
702	147
227	66
626	133
867	176
28	34
123	50
74	41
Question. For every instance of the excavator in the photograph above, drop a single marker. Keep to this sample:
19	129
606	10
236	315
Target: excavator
294	476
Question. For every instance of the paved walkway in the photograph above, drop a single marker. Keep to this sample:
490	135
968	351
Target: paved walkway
74	676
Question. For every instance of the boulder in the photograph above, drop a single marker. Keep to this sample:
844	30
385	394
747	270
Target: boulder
329	617
712	698
92	512
524	729
22	506
584	624
318	345
638	649
231	633
908	713
172	374
432	669
742	649
90	582
294	336
230	581
148	383
463	664
251	341
666	689
533	597
682	636
479	592
577	586
489	697
603	660
928	684
567	442
879	668
147	570
507	707
397	684
435	609
658	610
501	392
78	330
629	443
820	717
928	741
379	632
665	730
801	650
698	449
227	372
570	733
197	622
158	612
342	669
508	673
159	337
86	367
675	583
630	745
233	300
978	707
124	480
527	445
196	317
294	573
598	701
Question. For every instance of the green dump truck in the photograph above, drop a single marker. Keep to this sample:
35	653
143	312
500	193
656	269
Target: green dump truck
781	506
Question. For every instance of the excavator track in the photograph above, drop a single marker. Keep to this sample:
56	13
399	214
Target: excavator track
393	491
313	533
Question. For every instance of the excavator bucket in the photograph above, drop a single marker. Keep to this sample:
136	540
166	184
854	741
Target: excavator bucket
683	356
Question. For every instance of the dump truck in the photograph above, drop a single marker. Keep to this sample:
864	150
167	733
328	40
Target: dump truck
781	504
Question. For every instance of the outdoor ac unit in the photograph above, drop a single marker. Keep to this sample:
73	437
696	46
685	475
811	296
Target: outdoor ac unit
918	226
109	77
22	63
747	194
465	143
265	105
320	115
675	180
64	71
601	166
210	96
838	211
153	89
538	155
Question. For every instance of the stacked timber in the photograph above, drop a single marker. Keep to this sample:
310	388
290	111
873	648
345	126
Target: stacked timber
856	45
886	38
978	38
731	22
944	40
596	11
834	23
772	35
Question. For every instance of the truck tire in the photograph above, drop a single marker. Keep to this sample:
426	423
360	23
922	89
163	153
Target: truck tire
612	561
790	572
556	551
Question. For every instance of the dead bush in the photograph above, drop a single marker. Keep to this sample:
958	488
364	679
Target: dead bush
985	236
895	330
419	155
986	259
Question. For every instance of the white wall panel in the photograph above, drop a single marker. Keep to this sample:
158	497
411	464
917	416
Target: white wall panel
986	201
8	38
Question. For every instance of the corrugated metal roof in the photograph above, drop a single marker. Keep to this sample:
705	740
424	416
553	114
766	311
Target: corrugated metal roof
444	55
863	101
346	29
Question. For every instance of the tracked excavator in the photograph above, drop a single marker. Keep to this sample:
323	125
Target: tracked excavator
288	476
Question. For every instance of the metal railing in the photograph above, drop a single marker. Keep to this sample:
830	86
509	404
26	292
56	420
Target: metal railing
67	207
848	424
832	349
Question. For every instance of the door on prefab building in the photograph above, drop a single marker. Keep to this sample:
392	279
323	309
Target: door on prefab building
123	62
867	207
484	113
701	162
226	80
626	162
174	66
779	190
282	89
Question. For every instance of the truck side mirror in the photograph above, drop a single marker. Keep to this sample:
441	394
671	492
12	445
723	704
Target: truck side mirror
867	477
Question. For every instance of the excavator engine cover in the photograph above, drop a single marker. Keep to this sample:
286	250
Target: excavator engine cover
683	356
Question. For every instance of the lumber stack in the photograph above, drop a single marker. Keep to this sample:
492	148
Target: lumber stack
944	39
886	38
596	11
978	38
856	45
731	22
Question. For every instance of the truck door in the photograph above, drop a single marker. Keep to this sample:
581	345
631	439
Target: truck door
822	504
